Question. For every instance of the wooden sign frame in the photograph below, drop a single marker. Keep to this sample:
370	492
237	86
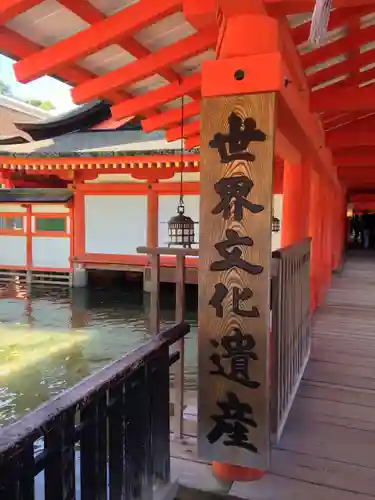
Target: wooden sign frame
237	158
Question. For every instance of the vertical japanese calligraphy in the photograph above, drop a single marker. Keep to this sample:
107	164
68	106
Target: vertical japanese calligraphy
237	143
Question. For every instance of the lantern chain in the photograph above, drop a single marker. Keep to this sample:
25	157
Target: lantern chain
181	205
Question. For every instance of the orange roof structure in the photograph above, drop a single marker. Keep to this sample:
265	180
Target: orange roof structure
144	56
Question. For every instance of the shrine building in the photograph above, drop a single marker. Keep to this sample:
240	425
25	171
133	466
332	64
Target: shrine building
224	143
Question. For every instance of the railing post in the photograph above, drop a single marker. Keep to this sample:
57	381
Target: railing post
179	372
154	319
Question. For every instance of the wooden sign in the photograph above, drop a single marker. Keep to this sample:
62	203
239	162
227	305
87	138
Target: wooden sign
237	148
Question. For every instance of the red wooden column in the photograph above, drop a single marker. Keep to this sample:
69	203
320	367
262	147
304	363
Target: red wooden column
152	217
247	39
314	231
296	207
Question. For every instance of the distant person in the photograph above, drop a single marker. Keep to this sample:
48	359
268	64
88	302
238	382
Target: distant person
367	229
355	224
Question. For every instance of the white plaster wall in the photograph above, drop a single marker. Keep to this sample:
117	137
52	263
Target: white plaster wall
12	251
278	212
57	208
12	207
115	224
51	252
168	208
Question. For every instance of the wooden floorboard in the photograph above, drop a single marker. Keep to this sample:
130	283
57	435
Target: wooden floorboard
327	449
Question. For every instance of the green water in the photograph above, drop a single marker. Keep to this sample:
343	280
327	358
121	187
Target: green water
52	339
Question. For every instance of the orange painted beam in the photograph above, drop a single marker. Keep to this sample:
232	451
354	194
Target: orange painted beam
338	47
217	78
337	19
362	123
285	7
170	117
365	157
12	8
86	11
157	97
337	138
121	24
17	46
200	14
341	68
147	66
192	142
343	99
190	130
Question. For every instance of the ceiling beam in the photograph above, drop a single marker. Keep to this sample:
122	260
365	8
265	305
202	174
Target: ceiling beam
341	68
87	12
339	47
154	98
338	139
170	117
12	8
17	46
200	14
284	7
363	158
192	142
337	19
188	130
124	23
146	67
343	99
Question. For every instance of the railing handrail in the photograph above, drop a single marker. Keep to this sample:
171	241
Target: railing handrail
278	254
29	427
186	252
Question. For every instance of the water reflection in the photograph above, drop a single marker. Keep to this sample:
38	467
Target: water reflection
50	339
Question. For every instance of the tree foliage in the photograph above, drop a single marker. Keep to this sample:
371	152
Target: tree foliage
7	91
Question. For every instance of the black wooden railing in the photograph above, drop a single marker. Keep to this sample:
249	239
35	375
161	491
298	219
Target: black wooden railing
105	438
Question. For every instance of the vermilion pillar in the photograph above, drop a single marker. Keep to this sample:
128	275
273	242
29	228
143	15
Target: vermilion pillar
152	217
296	203
315	234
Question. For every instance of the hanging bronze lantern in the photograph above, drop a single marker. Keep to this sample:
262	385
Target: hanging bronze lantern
275	224
181	229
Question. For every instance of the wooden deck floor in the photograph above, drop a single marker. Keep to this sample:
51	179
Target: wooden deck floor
327	450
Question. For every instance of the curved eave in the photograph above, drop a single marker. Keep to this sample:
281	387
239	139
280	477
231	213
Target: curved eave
13	140
35	195
82	118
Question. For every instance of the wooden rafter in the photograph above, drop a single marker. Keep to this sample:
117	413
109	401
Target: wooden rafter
12	8
340	103
86	11
286	7
18	47
170	117
147	66
122	24
154	98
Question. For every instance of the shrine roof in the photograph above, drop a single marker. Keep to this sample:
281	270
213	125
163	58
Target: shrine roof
35	195
144	56
95	143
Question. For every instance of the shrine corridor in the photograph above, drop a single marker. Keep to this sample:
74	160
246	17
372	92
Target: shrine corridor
328	446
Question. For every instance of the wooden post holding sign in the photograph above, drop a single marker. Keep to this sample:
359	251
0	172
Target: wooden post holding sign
237	148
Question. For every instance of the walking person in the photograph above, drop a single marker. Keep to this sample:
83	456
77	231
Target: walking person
366	221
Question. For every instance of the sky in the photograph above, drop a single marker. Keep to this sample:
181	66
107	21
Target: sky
44	89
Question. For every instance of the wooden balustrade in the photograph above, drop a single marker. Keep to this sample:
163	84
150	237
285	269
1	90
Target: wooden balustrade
154	320
290	337
112	429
